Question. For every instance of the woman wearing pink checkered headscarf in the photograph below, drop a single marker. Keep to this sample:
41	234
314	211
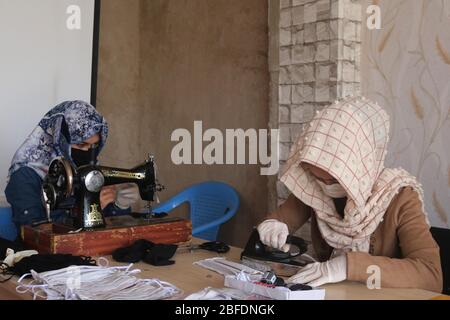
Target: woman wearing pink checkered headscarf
362	214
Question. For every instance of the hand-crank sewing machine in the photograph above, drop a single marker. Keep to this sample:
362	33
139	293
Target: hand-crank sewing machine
87	232
85	183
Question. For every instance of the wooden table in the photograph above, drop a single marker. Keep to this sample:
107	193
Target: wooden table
191	278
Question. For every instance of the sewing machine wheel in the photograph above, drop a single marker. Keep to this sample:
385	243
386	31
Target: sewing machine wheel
59	180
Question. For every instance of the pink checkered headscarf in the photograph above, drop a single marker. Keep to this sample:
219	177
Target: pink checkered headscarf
348	139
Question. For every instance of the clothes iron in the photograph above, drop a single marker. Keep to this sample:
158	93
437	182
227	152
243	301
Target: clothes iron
263	258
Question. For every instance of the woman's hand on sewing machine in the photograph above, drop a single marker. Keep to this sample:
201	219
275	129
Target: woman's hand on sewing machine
107	196
127	195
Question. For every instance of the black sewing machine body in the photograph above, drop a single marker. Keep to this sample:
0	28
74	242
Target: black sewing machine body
77	190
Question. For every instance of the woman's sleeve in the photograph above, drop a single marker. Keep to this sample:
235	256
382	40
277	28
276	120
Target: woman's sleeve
23	192
293	212
420	266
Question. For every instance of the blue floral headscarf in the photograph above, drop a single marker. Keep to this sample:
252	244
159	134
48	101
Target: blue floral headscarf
70	122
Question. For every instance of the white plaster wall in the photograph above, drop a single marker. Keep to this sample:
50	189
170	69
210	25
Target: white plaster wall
41	64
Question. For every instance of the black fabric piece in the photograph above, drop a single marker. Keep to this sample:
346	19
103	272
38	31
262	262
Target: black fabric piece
133	253
215	246
80	157
147	251
6	244
160	254
48	262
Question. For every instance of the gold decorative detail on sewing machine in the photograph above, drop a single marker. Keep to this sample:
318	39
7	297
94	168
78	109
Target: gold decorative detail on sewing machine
94	217
123	174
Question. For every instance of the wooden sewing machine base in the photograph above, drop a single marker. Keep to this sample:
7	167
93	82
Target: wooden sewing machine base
120	232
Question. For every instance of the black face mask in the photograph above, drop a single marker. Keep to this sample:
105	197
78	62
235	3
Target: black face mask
81	157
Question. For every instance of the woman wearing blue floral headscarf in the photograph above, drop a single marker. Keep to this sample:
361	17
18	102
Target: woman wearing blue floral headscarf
68	130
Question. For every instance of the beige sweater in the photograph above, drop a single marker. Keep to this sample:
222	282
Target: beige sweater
402	246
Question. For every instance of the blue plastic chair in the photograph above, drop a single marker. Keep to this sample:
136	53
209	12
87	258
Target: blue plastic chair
211	204
8	229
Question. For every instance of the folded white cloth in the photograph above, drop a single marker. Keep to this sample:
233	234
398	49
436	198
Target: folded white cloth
13	257
222	294
208	294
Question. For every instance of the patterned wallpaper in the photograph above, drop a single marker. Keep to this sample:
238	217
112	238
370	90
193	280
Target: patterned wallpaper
406	68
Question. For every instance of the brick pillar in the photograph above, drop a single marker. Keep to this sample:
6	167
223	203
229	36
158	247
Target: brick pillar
319	62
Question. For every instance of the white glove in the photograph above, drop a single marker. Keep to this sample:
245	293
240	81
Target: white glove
273	233
127	195
12	258
317	274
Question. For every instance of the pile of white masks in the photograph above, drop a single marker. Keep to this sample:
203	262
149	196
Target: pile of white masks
95	283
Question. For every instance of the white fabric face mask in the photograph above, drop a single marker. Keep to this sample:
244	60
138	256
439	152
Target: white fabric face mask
335	191
96	283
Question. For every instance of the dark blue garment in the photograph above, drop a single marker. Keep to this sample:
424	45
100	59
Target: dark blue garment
113	210
23	193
